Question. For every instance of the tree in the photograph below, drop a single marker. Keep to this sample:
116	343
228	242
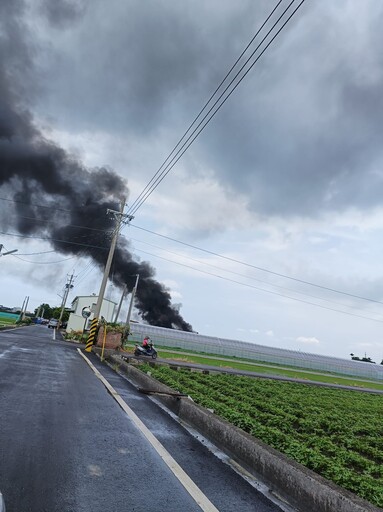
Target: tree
56	314
365	359
48	311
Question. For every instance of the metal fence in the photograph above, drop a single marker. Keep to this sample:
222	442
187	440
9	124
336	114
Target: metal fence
240	349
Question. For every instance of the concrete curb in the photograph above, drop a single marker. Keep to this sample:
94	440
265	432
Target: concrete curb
299	486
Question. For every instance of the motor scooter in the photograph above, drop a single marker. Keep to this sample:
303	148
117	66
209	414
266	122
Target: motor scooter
150	351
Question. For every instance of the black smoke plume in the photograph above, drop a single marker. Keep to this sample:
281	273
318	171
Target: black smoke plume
70	197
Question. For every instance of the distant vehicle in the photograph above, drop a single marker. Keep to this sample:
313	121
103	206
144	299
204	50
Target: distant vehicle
53	323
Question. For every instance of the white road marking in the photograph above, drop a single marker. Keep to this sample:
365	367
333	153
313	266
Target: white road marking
195	492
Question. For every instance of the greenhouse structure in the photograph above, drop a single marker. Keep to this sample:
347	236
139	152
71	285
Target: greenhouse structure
173	338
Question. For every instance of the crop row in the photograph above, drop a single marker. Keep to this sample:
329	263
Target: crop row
337	433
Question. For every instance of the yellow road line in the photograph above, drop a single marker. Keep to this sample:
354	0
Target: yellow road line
195	492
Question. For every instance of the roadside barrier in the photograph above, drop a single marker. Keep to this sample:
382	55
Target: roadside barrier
92	335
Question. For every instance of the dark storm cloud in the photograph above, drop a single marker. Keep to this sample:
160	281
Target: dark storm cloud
52	194
143	62
62	13
300	136
303	136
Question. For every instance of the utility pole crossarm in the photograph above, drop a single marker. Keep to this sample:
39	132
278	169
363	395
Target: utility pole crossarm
8	252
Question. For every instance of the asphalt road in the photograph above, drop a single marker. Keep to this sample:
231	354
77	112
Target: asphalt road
66	445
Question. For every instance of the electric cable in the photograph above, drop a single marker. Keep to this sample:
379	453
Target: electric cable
86	274
47	239
206	104
242	275
263	290
46	221
53	207
193	136
17	256
285	276
42	262
34	253
84	270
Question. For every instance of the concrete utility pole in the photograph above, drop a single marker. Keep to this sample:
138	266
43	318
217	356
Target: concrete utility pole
120	304
131	306
68	287
25	308
121	218
22	310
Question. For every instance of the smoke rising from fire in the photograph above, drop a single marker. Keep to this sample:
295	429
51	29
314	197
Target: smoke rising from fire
70	197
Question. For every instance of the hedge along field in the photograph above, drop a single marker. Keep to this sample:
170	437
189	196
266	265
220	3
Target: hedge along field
336	433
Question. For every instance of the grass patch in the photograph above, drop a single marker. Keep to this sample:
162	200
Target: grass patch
7	321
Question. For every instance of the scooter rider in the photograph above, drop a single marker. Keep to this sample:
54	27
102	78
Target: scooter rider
146	343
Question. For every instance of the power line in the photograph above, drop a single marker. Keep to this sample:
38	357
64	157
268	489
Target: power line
242	275
85	269
64	225
193	136
39	262
263	290
34	253
53	207
205	105
43	262
144	196
47	239
86	273
50	207
259	268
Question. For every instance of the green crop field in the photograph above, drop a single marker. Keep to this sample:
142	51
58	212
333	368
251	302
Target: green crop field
336	433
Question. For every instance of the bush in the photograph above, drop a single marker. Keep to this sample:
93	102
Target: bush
26	321
76	336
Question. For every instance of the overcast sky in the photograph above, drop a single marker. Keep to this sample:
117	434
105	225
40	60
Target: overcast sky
287	178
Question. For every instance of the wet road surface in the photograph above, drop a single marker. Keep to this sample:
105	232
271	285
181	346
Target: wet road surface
66	445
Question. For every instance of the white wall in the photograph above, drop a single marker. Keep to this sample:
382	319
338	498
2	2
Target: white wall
107	307
107	310
75	323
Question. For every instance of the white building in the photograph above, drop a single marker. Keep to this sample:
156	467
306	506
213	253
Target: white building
76	321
